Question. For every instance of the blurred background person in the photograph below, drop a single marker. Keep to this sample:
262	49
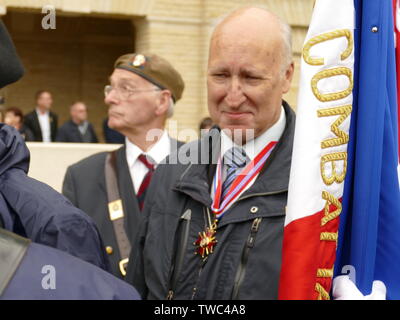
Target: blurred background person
42	122
111	135
78	128
14	117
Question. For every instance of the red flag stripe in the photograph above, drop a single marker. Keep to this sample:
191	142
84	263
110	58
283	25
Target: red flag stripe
316	255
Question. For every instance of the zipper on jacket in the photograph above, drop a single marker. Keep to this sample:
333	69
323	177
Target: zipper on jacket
194	292
170	295
245	256
186	217
249	244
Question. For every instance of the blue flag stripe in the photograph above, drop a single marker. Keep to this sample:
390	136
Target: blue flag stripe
369	237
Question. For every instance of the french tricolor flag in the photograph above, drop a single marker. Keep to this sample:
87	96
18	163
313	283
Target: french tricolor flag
344	196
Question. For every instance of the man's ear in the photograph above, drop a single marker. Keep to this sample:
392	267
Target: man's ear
287	78
163	102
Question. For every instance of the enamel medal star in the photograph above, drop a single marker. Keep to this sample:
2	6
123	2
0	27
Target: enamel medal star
206	242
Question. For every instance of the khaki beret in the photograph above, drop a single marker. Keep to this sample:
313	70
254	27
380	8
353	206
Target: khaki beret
155	69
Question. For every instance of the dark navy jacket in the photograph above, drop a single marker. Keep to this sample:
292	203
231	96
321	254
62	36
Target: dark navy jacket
73	279
69	132
110	135
34	210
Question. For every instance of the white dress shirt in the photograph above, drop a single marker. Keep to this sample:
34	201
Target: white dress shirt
254	146
158	152
44	122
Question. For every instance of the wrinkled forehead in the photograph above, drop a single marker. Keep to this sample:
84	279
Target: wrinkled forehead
245	52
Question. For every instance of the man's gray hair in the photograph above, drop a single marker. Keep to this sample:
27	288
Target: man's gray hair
171	104
287	43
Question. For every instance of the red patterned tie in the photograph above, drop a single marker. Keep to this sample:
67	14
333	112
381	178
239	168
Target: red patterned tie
141	195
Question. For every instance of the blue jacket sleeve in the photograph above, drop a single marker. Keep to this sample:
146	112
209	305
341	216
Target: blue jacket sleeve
49	274
49	218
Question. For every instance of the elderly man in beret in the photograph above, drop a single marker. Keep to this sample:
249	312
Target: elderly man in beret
111	187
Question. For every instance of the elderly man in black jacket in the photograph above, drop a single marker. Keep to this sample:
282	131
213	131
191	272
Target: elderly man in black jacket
213	227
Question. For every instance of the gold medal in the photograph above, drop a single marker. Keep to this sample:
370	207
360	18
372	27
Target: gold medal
206	241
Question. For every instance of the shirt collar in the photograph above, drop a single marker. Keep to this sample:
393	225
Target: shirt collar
83	125
158	152
39	113
255	146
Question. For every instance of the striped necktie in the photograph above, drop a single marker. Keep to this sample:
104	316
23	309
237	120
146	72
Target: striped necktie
141	195
235	160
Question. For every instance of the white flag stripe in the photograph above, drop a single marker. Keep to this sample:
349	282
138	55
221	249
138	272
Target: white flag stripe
306	183
398	173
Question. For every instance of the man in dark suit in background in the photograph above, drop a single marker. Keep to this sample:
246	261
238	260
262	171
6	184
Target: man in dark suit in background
42	122
78	128
111	187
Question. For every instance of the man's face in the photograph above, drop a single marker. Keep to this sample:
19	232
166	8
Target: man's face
135	110
12	120
79	113
245	82
45	101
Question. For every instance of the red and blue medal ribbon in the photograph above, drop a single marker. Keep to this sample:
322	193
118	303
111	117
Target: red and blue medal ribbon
249	173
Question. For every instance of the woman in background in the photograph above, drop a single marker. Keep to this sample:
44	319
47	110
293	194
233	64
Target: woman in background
14	117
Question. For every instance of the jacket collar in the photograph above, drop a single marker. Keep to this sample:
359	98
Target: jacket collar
196	180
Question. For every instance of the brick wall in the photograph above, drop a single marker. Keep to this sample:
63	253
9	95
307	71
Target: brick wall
73	61
179	30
